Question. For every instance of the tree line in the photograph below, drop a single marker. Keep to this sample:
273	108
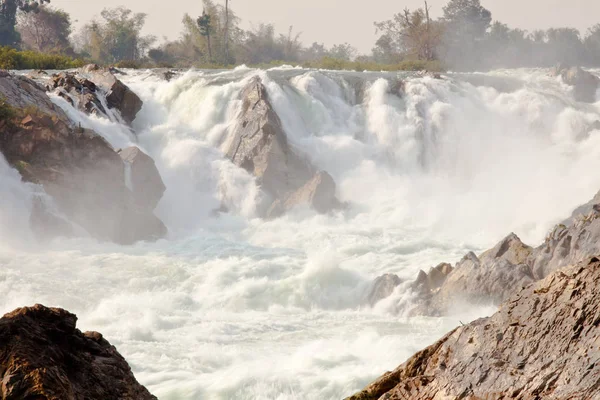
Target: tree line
465	38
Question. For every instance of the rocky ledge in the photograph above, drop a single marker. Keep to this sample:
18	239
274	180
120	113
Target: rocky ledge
542	344
83	174
495	275
260	145
43	356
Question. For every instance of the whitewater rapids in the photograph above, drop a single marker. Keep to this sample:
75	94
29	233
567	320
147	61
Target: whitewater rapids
234	307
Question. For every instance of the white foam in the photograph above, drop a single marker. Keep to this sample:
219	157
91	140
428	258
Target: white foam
237	307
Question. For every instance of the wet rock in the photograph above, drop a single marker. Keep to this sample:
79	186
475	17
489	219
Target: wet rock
76	167
382	288
585	84
260	146
118	95
542	344
430	282
44	356
318	193
146	184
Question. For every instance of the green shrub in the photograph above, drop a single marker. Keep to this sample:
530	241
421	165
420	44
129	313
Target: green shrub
13	59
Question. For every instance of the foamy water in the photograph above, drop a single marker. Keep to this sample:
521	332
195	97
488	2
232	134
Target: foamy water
234	307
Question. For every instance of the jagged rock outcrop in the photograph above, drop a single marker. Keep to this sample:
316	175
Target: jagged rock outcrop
81	89
585	84
260	146
80	170
78	91
542	344
143	177
509	266
43	356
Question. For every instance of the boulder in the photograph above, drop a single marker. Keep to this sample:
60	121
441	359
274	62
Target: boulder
44	356
259	145
118	95
142	177
318	193
585	84
542	344
382	288
80	170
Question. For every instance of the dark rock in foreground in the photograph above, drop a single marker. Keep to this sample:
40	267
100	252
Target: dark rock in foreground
542	344
44	357
261	147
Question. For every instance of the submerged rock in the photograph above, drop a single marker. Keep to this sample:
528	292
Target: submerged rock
44	356
80	170
542	344
260	146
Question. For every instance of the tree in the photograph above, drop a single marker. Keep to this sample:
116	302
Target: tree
592	45
8	18
116	37
408	35
344	52
45	31
205	30
467	22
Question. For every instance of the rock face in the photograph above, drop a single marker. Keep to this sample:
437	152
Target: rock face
585	84
382	288
43	356
542	344
260	146
82	89
505	269
143	176
77	167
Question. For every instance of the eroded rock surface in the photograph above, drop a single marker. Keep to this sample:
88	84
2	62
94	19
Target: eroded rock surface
260	146
80	170
43	356
83	88
542	344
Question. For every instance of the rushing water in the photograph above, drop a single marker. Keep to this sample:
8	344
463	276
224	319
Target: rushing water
234	307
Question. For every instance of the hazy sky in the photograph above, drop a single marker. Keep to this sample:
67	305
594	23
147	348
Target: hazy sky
339	21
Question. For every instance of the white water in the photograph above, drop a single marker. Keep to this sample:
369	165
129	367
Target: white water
239	308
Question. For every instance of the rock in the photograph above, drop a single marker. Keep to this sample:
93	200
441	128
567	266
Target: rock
143	176
431	282
44	356
118	95
318	193
585	84
542	344
382	288
260	146
79	92
490	278
77	167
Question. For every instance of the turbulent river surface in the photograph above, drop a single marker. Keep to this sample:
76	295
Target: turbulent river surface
230	306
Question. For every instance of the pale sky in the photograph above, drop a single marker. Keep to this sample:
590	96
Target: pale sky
339	21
